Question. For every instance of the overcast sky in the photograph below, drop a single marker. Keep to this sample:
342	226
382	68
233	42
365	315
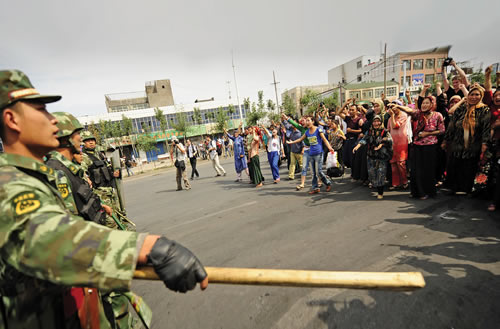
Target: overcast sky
85	49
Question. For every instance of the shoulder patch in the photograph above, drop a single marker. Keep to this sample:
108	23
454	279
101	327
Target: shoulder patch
63	190
25	203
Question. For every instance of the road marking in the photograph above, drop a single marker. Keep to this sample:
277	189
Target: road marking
212	214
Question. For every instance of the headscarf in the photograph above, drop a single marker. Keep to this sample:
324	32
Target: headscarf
469	123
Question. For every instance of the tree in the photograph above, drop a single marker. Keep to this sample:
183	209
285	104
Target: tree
331	102
127	125
309	101
117	133
146	143
254	115
270	105
231	109
94	131
246	103
289	105
197	116
260	100
220	120
163	123
182	124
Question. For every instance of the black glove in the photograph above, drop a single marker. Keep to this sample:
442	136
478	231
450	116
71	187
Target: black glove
176	266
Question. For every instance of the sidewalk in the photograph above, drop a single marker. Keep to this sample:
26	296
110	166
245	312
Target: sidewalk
151	168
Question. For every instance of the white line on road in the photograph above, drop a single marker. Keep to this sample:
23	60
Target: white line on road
212	214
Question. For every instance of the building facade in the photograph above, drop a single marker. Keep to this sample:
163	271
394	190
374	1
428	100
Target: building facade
352	71
157	93
144	121
296	93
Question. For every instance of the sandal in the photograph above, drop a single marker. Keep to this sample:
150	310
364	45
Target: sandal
299	187
315	191
405	186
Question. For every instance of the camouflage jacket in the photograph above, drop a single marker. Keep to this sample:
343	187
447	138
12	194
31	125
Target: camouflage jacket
44	249
63	186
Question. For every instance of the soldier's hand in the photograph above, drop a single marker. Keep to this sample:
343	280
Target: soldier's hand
107	209
176	266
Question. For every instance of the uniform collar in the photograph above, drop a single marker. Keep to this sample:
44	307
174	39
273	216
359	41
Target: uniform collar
76	170
7	159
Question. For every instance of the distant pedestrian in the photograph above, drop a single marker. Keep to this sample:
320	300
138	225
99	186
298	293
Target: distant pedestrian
214	156
192	153
178	154
256	173
274	152
128	166
296	150
240	161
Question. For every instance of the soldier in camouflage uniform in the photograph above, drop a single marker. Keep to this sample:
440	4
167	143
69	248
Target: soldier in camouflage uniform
88	205
44	248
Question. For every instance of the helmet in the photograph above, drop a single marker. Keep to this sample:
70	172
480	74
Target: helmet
87	135
67	124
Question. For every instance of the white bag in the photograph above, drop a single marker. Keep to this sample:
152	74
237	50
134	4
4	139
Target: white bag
331	160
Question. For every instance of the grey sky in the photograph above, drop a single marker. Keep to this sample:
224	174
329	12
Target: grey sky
85	49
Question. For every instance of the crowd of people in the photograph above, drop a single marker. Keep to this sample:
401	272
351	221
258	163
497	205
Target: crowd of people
446	140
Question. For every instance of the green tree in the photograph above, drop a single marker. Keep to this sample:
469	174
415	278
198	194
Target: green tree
246	103
220	120
289	105
197	116
163	124
270	105
127	125
309	101
331	102
254	115
182	124
260	100
146	143
95	131
231	109
117	133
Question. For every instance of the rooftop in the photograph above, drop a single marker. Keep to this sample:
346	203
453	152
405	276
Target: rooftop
127	95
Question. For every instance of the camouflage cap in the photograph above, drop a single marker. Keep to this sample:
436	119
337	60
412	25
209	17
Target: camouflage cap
87	135
15	85
67	124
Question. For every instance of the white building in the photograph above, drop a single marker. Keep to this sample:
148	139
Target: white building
352	71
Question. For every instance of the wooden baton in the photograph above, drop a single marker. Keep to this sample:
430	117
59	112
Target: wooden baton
399	281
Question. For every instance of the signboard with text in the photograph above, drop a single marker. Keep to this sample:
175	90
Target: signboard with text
417	79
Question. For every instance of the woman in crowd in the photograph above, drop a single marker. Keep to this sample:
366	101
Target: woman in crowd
354	123
240	161
379	143
256	173
316	137
467	135
274	152
427	126
336	138
397	126
359	168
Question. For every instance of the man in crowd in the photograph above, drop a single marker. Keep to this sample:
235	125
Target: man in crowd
44	248
178	156
296	150
455	81
192	153
240	161
212	151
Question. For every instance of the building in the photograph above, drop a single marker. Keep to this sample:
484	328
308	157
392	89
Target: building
144	121
351	71
408	69
365	91
157	93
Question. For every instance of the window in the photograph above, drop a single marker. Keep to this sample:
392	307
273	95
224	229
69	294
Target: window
358	64
439	77
354	94
418	64
379	92
429	63
429	78
408	81
439	62
360	78
392	91
408	64
367	94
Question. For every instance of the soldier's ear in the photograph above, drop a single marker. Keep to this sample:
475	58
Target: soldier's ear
11	120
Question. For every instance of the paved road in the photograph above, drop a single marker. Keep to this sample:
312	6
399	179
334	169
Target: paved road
451	240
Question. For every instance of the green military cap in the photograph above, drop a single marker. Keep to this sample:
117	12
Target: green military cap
67	123
15	85
87	135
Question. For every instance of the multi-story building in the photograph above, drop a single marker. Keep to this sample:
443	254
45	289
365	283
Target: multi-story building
144	121
408	69
157	93
352	71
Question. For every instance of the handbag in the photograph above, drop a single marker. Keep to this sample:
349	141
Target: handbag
180	164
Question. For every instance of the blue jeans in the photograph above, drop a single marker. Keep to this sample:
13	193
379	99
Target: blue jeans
273	158
317	163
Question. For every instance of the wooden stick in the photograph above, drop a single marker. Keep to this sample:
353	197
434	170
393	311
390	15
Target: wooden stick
400	281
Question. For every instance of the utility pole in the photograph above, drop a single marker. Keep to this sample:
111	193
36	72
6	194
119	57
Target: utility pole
229	88
237	95
276	92
340	94
385	69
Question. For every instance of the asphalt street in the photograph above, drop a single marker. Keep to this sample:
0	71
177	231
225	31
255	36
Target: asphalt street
453	241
